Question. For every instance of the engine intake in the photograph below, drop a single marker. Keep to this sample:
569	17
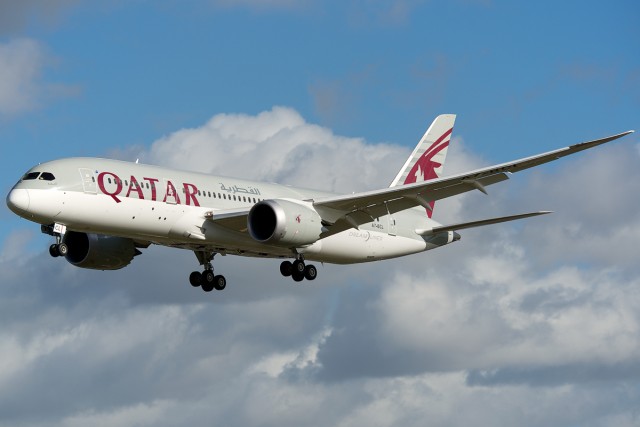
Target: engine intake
284	223
99	252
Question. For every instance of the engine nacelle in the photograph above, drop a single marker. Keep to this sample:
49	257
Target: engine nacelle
284	222
99	252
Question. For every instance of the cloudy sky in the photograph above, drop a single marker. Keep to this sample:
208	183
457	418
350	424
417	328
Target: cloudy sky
534	323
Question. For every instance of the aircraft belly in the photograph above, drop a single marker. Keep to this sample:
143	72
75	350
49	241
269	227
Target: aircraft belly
161	223
186	226
354	246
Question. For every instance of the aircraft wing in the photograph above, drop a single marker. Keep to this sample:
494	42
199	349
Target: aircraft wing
234	219
347	211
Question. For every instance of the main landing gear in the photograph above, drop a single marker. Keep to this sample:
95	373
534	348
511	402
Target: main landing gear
207	280
298	270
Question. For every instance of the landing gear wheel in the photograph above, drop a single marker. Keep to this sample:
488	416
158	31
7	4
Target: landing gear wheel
63	249
219	282
286	268
310	272
195	279
298	266
297	276
208	280
53	251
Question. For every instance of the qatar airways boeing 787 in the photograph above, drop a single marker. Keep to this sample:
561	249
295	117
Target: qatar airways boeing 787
101	212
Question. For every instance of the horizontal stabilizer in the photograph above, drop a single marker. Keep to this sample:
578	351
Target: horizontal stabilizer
472	224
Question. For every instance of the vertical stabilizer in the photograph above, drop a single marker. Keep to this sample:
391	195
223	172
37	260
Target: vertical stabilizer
427	160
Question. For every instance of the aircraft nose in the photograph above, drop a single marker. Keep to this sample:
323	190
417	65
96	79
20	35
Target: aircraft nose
18	200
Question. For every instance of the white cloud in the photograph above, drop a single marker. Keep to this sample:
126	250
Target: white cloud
279	146
22	63
15	245
517	316
138	415
509	324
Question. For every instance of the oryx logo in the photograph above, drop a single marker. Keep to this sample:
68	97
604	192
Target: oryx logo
425	164
426	167
298	219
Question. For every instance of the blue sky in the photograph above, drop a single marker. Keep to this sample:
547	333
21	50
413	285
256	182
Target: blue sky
523	324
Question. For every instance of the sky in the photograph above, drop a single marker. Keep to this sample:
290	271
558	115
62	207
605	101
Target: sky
529	323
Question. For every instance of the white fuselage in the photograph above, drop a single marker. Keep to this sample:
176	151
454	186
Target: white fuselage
150	204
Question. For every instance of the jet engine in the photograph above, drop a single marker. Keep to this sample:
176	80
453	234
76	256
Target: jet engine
99	252
284	222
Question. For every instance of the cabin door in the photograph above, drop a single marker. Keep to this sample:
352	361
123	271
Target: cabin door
88	180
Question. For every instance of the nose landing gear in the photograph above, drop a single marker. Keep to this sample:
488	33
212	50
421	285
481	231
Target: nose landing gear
59	248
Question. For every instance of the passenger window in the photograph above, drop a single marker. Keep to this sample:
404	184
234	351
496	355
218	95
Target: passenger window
47	176
31	175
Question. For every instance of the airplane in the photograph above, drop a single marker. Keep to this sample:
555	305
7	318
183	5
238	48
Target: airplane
102	212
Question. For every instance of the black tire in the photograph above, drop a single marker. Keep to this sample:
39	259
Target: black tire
53	251
298	266
195	279
297	276
208	280
63	249
286	268
219	283
310	272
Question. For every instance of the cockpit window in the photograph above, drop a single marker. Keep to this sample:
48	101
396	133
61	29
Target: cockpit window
30	176
47	176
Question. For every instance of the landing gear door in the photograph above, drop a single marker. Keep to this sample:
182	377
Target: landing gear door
392	228
392	225
88	180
